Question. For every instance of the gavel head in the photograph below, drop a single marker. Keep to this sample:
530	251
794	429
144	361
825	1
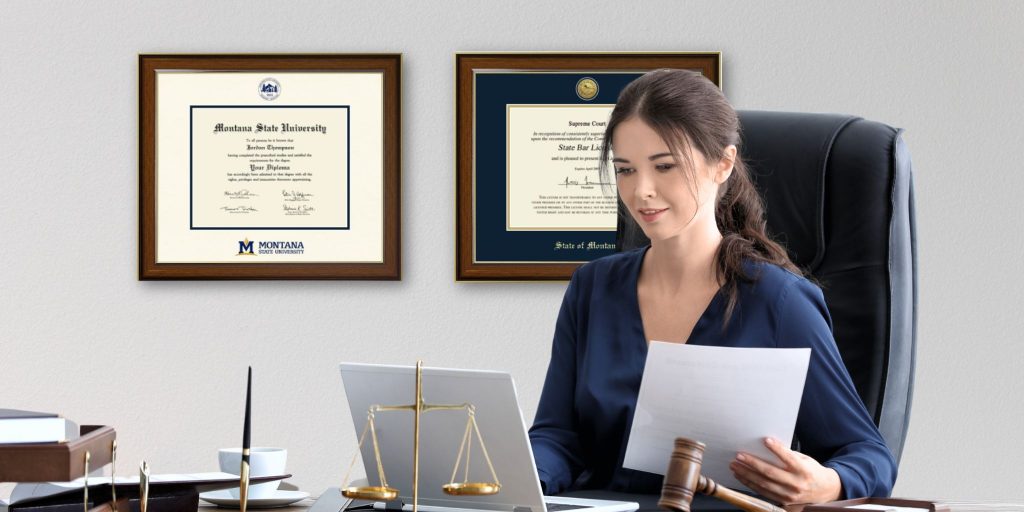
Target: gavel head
682	479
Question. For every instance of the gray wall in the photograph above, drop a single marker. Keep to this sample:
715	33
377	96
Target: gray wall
164	361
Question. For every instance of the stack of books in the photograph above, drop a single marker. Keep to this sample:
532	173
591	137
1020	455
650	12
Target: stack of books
18	427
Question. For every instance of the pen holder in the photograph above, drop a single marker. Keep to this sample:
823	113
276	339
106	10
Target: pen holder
56	462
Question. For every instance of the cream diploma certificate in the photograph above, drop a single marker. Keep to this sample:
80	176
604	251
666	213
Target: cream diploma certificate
552	173
269	167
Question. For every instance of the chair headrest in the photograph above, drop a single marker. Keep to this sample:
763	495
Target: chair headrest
792	152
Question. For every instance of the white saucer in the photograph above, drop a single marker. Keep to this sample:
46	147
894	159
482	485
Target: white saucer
279	499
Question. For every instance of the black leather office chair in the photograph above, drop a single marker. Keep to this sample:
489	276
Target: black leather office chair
839	195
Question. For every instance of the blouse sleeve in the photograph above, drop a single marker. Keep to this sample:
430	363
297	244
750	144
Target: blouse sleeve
553	436
833	426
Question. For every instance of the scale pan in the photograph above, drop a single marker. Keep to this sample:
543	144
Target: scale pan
471	488
374	493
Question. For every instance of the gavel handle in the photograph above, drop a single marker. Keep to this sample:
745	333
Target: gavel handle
748	503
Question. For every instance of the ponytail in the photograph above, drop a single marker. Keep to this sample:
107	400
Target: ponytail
739	214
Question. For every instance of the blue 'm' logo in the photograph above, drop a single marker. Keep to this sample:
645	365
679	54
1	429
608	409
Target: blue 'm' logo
245	248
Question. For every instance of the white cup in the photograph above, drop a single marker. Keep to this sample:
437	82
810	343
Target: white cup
262	462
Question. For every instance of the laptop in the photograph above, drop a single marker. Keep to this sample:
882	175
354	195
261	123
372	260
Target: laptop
500	424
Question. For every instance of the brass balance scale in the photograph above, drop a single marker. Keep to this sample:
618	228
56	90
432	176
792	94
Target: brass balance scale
384	492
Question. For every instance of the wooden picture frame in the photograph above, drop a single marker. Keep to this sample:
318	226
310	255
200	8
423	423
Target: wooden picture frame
258	166
514	116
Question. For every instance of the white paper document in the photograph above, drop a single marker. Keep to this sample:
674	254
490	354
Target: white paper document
730	399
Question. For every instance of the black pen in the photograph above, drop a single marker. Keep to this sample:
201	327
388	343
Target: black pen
243	487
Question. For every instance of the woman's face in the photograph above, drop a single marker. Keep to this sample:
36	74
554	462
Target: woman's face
663	198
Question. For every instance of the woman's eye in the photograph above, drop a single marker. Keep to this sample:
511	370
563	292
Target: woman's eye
664	167
623	170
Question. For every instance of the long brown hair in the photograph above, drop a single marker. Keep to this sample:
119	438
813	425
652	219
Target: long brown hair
688	110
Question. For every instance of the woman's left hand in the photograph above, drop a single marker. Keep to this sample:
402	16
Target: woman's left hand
800	480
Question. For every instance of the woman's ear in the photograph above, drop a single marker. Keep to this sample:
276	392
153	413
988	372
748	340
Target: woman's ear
725	165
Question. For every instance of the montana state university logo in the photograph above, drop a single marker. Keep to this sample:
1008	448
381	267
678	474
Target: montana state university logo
270	89
245	248
272	247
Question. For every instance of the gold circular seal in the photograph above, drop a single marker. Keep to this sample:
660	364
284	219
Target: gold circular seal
586	88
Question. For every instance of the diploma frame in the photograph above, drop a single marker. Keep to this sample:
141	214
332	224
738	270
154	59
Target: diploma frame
468	134
385	262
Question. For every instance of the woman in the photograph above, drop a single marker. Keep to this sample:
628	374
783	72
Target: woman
711	276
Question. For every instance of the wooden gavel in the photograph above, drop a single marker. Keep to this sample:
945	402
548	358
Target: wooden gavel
683	480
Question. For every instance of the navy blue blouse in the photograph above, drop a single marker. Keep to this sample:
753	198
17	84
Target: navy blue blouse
586	408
